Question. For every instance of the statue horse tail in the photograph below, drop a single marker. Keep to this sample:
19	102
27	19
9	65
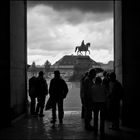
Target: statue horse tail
76	48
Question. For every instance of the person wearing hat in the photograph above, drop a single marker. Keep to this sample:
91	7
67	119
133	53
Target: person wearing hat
42	91
58	90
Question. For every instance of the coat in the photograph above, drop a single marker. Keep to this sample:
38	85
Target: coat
58	88
42	87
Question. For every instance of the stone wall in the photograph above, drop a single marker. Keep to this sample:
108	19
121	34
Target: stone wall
18	58
127	59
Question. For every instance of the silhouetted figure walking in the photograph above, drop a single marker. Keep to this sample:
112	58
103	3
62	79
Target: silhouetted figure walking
32	94
99	102
88	84
58	90
42	91
115	95
105	83
82	93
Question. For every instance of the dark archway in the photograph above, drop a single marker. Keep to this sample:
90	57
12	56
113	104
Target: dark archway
126	62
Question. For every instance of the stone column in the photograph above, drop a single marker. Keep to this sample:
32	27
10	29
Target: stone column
127	59
118	39
18	59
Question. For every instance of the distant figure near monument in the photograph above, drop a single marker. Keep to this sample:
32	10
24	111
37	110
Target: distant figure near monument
83	47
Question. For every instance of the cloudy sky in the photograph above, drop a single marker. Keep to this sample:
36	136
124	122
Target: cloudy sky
55	28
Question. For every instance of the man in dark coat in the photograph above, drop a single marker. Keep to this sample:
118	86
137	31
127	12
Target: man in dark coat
115	96
32	94
88	84
58	90
42	91
82	93
105	83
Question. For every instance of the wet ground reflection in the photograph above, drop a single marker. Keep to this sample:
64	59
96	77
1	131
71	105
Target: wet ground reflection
73	128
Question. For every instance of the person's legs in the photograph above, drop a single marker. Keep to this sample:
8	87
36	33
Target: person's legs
115	114
82	112
60	111
96	112
88	114
54	113
82	109
38	105
116	120
102	117
42	103
32	107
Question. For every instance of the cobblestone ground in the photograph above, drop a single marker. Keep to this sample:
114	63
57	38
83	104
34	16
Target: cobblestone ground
72	128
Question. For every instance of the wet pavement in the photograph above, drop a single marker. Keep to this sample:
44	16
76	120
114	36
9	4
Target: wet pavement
32	127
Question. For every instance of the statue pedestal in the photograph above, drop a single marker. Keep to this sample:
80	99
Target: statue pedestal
82	64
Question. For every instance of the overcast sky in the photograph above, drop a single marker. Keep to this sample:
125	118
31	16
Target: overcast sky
55	28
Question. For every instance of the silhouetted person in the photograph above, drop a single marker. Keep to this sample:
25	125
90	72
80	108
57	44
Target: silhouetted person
42	91
115	95
58	90
99	103
32	94
105	79
82	92
105	83
88	84
82	44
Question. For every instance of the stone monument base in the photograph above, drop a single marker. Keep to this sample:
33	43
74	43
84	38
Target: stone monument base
82	64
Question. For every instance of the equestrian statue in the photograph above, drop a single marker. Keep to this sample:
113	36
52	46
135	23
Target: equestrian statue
83	47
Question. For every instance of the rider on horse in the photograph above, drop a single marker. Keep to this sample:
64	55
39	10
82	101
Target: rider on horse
82	44
83	47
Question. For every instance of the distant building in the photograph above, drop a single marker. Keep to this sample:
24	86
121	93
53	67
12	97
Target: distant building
68	64
107	67
65	65
35	69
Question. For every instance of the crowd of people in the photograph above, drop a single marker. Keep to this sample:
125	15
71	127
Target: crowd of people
99	96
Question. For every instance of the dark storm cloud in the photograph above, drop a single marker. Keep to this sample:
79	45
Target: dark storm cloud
83	6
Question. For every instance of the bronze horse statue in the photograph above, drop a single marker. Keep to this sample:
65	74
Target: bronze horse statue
82	48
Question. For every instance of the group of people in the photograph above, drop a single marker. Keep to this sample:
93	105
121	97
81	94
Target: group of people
38	89
97	95
100	95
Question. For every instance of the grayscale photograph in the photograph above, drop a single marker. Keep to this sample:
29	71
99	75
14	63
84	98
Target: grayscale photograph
71	70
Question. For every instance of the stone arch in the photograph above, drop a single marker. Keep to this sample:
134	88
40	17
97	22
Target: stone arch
125	56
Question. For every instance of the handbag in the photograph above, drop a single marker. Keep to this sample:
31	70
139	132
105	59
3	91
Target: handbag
49	103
